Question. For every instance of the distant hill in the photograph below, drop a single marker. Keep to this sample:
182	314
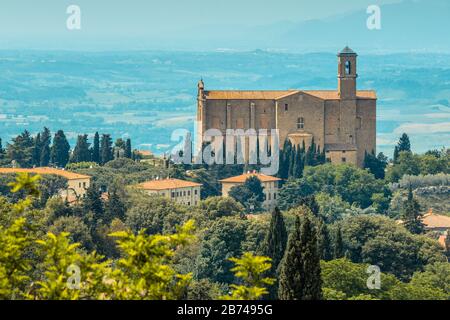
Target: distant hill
402	30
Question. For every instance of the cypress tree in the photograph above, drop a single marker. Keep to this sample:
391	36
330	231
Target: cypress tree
396	154
114	208
60	150
106	151
92	202
404	144
44	156
2	151
300	270
411	215
324	241
81	152
36	157
128	151
274	246
96	148
293	153
338	244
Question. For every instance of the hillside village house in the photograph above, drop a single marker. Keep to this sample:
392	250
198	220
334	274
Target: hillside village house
439	224
269	183
342	122
180	191
77	183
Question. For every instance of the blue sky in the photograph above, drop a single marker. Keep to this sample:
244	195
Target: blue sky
41	24
208	25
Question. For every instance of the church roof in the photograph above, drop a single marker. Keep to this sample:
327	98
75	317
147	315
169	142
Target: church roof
347	51
276	95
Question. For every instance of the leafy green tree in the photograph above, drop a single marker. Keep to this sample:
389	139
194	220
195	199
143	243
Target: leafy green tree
221	240
333	208
250	194
106	151
407	163
376	164
81	152
436	276
411	215
354	185
274	246
251	270
381	241
217	207
60	150
96	148
293	192
14	261
155	214
300	270
76	229
21	150
344	280
145	271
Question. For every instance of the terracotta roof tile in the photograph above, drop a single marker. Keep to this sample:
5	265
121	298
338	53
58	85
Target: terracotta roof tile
436	221
243	177
276	95
167	184
45	171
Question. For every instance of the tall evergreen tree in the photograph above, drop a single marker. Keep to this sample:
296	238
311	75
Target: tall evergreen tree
404	144
44	156
338	244
21	150
106	151
96	148
128	151
375	164
300	269
324	241
92	202
411	215
81	152
114	208
274	246
2	151
37	150
60	150
396	154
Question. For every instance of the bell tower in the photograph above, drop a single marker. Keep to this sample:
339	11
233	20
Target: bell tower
347	74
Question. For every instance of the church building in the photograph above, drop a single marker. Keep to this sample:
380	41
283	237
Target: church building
342	122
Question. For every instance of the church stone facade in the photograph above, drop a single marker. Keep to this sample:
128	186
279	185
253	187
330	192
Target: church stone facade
342	122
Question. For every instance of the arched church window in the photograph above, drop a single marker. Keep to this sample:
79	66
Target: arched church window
348	67
300	123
